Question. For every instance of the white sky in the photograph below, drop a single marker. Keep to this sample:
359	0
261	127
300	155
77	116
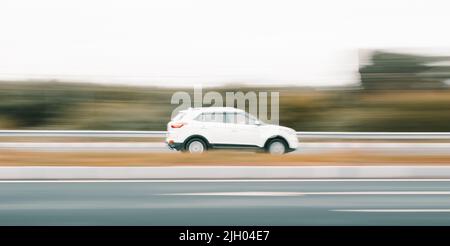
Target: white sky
179	42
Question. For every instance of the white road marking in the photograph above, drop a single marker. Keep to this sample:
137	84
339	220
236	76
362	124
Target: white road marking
217	180
406	210
333	193
244	193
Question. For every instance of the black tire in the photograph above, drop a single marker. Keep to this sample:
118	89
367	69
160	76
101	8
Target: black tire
277	147
195	149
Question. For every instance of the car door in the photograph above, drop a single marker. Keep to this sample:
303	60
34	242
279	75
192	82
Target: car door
244	130
214	128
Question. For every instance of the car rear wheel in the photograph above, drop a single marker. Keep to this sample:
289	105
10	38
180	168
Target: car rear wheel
196	146
276	147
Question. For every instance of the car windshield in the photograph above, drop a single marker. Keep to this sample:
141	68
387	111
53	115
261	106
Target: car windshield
252	119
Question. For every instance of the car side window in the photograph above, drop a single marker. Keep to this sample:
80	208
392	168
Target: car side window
239	118
200	117
250	119
243	118
210	117
230	118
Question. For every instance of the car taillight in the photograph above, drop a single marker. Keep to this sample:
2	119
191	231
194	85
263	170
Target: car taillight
177	125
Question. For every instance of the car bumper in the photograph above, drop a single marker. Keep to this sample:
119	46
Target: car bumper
293	142
174	146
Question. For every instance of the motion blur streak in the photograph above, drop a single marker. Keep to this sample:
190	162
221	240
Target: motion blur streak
404	148
397	92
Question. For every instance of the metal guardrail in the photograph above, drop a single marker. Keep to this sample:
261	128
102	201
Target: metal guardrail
375	135
80	133
156	134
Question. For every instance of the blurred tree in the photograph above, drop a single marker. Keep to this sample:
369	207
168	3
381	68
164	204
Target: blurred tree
388	71
72	106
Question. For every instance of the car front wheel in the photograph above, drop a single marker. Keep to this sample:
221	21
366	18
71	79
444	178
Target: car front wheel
276	147
196	146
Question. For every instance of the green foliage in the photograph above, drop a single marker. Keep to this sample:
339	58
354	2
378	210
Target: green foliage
389	71
95	107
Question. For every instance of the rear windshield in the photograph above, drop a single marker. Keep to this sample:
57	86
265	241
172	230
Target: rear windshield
179	116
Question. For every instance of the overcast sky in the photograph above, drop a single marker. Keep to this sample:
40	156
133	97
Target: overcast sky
179	42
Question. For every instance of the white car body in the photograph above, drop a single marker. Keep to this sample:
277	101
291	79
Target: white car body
226	127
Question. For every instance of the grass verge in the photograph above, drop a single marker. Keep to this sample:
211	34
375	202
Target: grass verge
21	158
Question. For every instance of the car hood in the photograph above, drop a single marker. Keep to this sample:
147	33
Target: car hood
280	128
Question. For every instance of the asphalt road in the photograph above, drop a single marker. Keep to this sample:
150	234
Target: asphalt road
226	202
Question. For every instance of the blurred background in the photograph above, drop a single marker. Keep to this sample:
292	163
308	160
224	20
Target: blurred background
114	65
362	68
396	92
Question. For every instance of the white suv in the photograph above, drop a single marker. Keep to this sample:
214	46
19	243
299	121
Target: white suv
199	129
